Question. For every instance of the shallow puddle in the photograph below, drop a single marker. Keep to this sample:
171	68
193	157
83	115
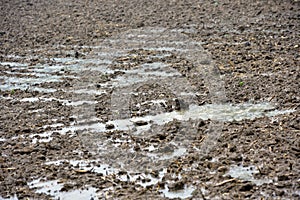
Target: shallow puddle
246	174
53	188
95	166
144	73
66	102
186	192
24	86
14	64
33	76
222	112
87	165
168	154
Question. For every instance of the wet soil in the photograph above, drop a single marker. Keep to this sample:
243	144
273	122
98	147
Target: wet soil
255	46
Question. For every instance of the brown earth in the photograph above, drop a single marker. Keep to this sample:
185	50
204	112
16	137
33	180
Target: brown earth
255	46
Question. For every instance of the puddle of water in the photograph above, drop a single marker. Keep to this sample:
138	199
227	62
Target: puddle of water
150	148
14	56
162	49
9	87
176	152
23	83
43	73
224	112
14	64
47	136
79	103
154	69
47	76
246	174
53	188
186	192
34	99
54	125
42	90
105	170
88	193
228	112
87	165
145	72
48	68
47	187
71	61
66	102
221	112
42	137
38	80
89	91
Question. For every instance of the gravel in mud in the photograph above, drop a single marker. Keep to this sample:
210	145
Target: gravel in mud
254	46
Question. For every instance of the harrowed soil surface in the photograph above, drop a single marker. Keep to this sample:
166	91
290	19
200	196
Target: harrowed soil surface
254	44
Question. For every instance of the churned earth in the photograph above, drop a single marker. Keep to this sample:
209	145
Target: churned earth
149	99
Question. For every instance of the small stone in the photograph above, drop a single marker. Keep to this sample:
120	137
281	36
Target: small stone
25	150
201	123
41	157
176	186
76	54
26	130
283	178
140	123
109	126
246	187
247	44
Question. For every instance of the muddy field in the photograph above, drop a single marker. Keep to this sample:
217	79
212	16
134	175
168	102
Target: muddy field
149	99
